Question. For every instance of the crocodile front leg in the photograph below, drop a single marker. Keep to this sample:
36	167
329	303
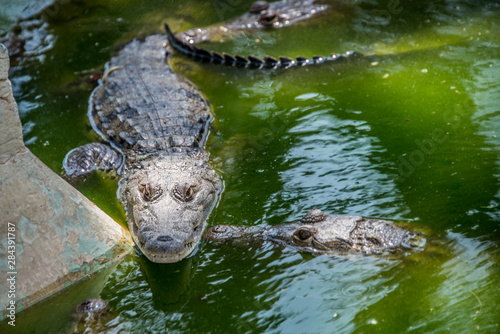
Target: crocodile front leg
85	159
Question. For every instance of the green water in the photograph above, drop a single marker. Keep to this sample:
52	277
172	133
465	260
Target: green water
409	136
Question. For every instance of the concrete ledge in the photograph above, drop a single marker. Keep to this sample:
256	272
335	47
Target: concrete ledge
60	236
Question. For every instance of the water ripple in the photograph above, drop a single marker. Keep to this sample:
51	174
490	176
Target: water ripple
331	167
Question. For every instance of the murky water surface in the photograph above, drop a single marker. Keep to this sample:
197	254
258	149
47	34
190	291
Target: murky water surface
410	135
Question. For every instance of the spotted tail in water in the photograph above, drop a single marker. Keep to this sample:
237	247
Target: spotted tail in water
252	61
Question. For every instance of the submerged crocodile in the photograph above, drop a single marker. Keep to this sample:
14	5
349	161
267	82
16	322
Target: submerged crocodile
91	316
320	233
261	15
157	124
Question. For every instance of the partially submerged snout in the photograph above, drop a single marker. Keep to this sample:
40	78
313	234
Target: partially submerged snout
166	245
320	233
323	233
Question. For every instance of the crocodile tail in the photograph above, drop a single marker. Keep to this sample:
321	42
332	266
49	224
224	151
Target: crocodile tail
252	61
170	34
171	37
186	48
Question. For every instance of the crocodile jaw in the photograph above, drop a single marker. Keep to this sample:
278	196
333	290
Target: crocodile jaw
163	241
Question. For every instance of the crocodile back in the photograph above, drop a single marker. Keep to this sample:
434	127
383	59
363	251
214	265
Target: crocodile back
142	105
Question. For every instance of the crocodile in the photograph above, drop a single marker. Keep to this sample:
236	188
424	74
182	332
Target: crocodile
261	15
91	316
155	124
320	233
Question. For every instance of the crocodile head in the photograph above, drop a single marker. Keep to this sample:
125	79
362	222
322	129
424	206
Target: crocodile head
322	233
260	15
168	202
316	232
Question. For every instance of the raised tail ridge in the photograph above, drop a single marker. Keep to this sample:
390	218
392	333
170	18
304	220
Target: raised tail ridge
252	61
170	34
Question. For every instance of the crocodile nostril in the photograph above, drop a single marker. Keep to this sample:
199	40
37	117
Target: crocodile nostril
164	238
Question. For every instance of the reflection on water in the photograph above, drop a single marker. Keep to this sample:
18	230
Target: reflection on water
410	136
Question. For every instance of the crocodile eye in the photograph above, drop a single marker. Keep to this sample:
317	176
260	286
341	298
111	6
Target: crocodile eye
189	194
184	193
268	17
150	192
303	235
374	241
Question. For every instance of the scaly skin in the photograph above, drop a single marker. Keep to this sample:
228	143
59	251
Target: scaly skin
157	123
261	14
320	233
